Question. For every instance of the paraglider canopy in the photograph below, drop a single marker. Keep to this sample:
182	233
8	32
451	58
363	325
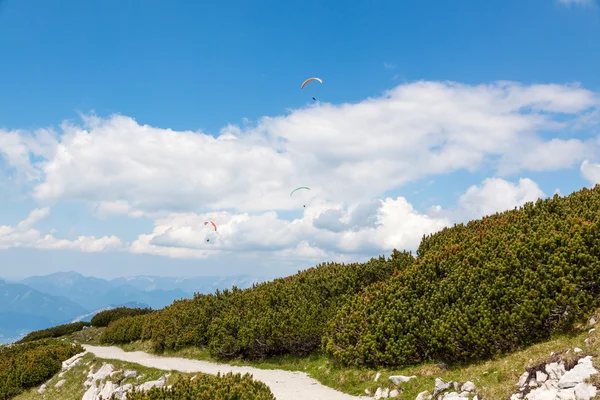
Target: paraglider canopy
298	188
212	223
310	80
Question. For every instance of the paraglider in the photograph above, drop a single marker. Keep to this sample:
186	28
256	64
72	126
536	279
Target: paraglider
310	80
214	226
298	188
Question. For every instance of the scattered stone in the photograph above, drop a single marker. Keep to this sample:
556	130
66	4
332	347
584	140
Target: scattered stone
424	396
398	379
577	350
440	386
523	379
129	373
394	393
377	376
540	376
468	386
60	383
42	389
592	321
591	330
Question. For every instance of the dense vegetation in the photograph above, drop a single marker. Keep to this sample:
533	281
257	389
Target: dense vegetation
476	290
208	387
287	315
491	286
104	318
54	332
26	365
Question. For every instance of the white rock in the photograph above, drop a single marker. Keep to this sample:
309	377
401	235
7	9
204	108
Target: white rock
585	391
523	379
587	341
583	370
577	350
129	373
67	363
394	393
367	392
398	379
385	393
108	390
540	376
150	384
103	372
592	321
424	396
591	330
378	393
440	386
60	375
468	386
42	389
555	370
516	396
377	376
541	394
532	382
60	383
92	393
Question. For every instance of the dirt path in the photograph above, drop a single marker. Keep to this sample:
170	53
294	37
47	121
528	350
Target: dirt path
285	385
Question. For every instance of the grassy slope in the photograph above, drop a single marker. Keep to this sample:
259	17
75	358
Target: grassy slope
73	389
495	379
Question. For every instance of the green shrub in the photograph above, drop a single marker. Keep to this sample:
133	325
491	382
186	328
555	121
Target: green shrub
23	366
287	315
104	318
208	387
480	289
54	332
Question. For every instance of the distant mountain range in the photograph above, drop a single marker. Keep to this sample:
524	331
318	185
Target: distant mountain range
39	302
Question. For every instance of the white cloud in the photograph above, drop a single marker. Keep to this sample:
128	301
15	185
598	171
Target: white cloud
495	195
345	153
590	171
387	65
23	235
350	155
328	229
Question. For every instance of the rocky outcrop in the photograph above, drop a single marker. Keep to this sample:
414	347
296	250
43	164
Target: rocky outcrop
557	380
105	382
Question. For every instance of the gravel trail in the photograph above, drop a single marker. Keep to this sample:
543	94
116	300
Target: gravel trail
285	385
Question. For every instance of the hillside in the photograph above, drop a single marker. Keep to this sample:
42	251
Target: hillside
476	290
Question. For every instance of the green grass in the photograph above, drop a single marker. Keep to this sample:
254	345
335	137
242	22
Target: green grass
73	388
494	379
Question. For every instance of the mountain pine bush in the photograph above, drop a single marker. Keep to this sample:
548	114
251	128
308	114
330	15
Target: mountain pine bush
54	332
104	318
476	290
208	387
23	366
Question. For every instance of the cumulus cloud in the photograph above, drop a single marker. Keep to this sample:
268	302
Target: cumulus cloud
590	171
495	195
346	153
328	229
23	235
350	155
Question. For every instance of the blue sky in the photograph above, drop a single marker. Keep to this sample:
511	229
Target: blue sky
194	68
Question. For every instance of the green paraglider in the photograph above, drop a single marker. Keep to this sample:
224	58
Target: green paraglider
298	188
